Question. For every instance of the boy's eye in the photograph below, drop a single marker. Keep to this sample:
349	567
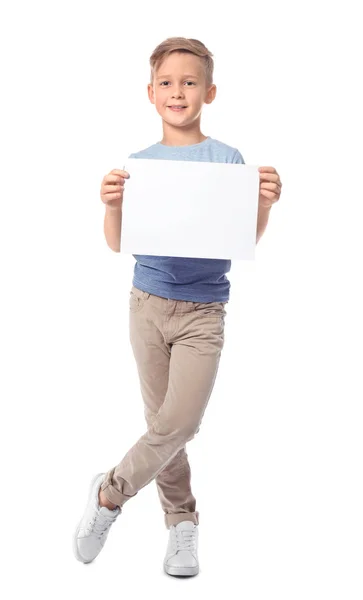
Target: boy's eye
192	82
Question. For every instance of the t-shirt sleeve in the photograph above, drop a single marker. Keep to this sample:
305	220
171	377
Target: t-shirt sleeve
238	158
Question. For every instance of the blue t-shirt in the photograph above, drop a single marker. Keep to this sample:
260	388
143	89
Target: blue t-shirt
191	279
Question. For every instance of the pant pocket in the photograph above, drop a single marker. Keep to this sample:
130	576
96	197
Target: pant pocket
212	310
137	299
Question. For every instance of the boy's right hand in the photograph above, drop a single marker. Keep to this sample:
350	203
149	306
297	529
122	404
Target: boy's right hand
112	188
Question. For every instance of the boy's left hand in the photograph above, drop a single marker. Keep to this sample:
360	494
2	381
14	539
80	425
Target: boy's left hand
270	186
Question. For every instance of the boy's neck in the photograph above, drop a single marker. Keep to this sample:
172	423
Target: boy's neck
182	137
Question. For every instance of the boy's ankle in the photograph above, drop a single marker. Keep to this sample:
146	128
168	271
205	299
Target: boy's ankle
102	501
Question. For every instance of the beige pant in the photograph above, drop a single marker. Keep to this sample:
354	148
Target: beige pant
177	346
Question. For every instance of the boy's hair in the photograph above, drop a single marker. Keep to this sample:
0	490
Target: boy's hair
180	44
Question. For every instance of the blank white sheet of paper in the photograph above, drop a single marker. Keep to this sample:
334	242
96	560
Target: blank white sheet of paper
190	209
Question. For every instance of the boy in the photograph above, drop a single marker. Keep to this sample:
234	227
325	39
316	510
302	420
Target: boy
177	310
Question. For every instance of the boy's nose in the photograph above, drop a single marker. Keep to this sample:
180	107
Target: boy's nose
177	92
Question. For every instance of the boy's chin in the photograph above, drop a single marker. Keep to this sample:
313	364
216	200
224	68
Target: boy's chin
175	123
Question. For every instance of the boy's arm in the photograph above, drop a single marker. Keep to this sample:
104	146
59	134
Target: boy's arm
112	227
262	220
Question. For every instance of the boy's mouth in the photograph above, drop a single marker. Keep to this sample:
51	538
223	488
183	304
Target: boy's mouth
177	107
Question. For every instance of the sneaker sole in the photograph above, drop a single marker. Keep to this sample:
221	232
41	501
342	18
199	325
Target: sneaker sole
75	536
181	571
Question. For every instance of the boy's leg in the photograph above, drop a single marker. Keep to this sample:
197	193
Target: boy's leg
152	354
174	481
198	339
175	493
195	333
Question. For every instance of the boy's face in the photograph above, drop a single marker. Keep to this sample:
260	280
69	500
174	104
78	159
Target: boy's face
180	80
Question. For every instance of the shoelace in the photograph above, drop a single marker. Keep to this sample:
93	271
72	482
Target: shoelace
99	524
185	540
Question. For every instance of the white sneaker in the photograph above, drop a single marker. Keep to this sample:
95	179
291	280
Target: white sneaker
92	531
182	552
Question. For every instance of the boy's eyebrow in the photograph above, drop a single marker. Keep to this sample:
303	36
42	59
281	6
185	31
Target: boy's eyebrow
165	76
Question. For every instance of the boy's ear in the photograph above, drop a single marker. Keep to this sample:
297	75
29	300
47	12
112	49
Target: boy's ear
211	94
150	91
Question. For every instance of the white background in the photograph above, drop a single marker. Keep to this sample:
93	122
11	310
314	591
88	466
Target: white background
277	464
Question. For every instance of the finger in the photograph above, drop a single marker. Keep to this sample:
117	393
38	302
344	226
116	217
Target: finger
270	186
120	172
110	189
269	194
113	179
110	197
270	176
267	169
271	179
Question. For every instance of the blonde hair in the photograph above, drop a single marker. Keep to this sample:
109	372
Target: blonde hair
180	44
